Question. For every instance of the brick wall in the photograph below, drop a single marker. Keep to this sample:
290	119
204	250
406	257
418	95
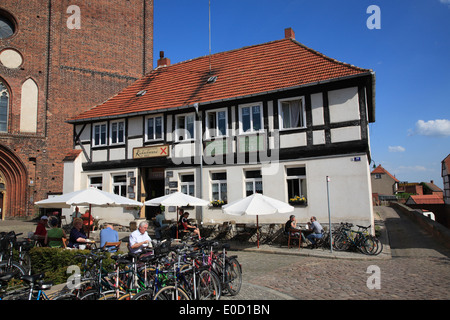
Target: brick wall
74	69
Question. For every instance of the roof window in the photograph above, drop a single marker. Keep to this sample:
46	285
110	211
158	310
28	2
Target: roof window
141	93
212	79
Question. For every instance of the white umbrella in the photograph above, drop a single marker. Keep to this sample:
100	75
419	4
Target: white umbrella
255	205
177	199
88	197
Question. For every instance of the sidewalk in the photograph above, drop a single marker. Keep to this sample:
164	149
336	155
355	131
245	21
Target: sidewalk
25	226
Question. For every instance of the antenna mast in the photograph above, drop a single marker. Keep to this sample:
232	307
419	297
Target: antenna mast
209	9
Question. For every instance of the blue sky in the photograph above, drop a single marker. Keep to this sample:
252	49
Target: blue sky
410	55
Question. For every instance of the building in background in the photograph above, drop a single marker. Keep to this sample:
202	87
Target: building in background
58	59
275	118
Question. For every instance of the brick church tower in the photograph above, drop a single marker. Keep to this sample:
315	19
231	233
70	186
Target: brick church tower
59	58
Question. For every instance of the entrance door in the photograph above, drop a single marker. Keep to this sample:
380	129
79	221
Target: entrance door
1	205
154	188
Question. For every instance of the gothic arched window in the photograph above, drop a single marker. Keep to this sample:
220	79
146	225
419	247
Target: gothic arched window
7	26
4	103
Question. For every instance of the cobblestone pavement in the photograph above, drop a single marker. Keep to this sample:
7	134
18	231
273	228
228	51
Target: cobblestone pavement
413	266
418	270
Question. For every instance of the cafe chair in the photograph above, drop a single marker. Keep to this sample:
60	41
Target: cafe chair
294	234
110	245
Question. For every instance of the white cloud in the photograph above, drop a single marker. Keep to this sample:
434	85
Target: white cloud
445	1
435	128
396	149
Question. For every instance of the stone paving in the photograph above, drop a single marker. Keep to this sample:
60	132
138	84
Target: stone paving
413	266
418	269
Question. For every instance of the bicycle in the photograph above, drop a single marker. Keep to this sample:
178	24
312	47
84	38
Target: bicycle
227	268
35	290
8	264
350	239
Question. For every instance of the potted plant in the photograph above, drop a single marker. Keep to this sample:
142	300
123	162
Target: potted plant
297	200
217	203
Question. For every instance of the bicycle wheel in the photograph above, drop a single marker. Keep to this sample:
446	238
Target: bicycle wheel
171	293
208	287
378	246
143	295
341	243
366	246
233	276
14	267
113	296
65	296
92	294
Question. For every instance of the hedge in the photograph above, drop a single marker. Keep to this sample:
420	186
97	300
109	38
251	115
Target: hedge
55	261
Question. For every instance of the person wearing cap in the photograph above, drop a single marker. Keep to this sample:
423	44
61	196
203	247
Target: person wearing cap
41	231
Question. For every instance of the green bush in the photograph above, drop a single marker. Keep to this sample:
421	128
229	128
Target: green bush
54	262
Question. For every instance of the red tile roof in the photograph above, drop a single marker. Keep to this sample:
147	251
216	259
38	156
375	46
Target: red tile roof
382	170
427	199
72	155
257	69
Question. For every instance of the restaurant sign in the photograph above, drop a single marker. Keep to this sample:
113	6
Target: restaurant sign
151	152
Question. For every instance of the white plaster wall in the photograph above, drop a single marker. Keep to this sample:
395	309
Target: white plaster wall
135	126
345	134
134	143
350	192
343	104
317	109
318	137
99	155
293	140
117	154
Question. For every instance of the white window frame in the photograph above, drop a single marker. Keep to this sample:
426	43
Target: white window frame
111	125
302	114
215	132
177	127
147	138
98	186
119	184
187	184
253	181
100	144
261	116
219	187
300	178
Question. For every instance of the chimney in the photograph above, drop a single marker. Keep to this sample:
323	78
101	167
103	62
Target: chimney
289	33
163	62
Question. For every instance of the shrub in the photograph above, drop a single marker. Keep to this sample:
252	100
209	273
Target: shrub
54	262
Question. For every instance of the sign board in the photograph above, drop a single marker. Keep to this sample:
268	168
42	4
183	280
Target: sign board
151	152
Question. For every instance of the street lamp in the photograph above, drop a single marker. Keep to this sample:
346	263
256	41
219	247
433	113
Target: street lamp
200	151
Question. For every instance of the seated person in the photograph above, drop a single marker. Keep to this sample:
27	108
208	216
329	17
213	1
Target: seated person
41	231
77	236
88	221
53	234
108	234
317	231
139	239
184	224
159	225
291	223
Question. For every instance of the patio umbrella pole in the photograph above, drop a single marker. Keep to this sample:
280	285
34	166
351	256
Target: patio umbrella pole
329	215
89	221
176	223
257	230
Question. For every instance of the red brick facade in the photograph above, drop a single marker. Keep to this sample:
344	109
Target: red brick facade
74	70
